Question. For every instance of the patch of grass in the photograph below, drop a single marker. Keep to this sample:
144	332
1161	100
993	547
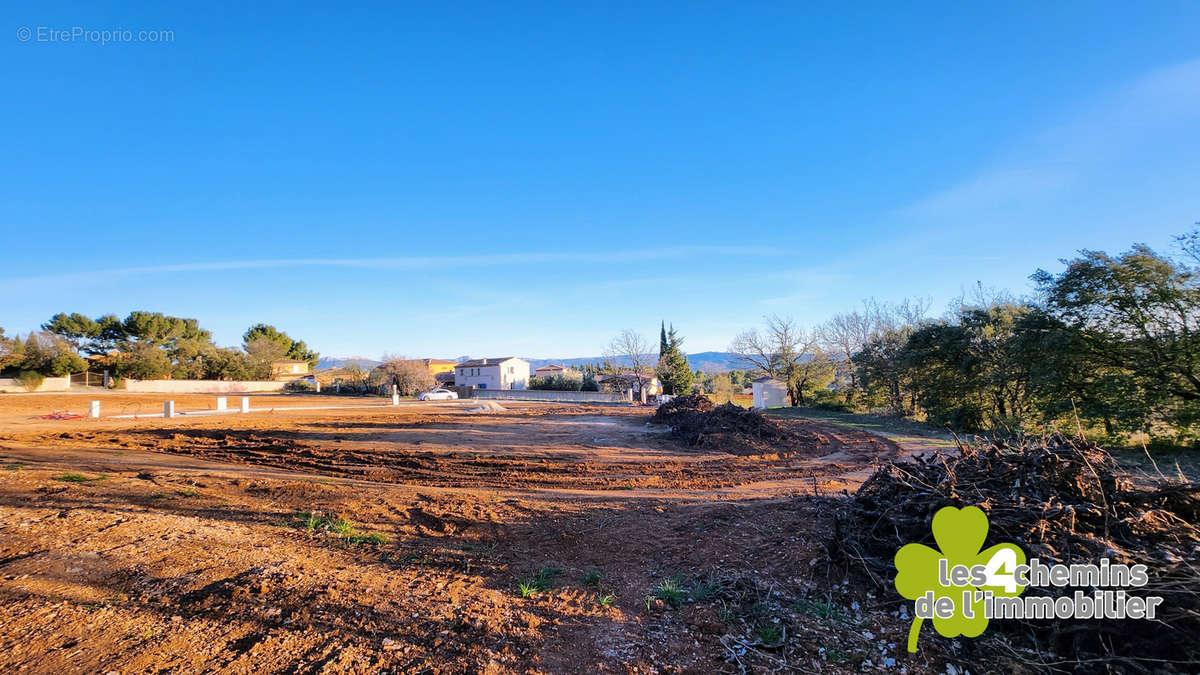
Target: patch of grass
189	492
342	528
544	577
539	582
160	495
705	590
592	578
310	521
769	633
373	539
670	591
880	424
606	600
527	589
820	608
837	655
410	559
70	477
14	466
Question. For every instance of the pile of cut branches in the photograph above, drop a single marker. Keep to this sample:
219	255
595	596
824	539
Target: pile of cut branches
730	428
1061	500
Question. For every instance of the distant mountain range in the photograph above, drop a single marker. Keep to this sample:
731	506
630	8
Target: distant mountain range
709	362
341	362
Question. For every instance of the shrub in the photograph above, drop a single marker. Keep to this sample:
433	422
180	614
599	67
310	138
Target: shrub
29	379
556	383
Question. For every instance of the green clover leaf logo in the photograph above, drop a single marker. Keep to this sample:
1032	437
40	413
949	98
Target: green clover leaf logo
959	534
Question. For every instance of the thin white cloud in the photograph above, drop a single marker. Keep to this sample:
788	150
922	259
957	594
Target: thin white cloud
415	262
1061	156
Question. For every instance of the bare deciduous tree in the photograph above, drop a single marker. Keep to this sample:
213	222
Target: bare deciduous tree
844	336
629	346
411	376
777	351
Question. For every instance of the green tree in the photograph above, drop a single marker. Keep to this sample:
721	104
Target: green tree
1137	314
812	374
260	353
673	369
292	349
143	361
972	373
76	328
227	364
48	355
159	329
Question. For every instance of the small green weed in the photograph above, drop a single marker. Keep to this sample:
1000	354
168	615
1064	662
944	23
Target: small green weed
820	608
670	591
705	590
769	633
14	466
356	538
539	582
592	578
606	600
343	528
77	478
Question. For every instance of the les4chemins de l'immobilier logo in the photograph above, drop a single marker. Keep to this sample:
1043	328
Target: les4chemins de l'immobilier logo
961	588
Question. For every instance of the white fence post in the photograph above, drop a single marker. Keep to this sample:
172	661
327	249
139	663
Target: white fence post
221	403
168	408
94	410
245	404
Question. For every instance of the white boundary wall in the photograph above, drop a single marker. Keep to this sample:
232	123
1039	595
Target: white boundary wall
10	386
199	386
548	395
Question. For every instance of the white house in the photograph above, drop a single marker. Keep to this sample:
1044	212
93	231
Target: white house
769	393
507	372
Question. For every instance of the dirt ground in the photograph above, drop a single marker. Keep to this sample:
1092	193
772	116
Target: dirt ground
421	538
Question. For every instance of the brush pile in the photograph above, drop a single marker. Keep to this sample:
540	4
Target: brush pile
1062	501
680	406
697	423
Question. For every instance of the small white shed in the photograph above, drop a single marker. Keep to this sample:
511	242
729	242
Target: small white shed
769	392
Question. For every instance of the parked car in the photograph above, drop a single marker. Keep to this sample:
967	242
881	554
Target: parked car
437	395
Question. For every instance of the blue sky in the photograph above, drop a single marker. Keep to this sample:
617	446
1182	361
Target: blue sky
519	178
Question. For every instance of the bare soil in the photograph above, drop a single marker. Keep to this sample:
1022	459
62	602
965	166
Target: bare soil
240	543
